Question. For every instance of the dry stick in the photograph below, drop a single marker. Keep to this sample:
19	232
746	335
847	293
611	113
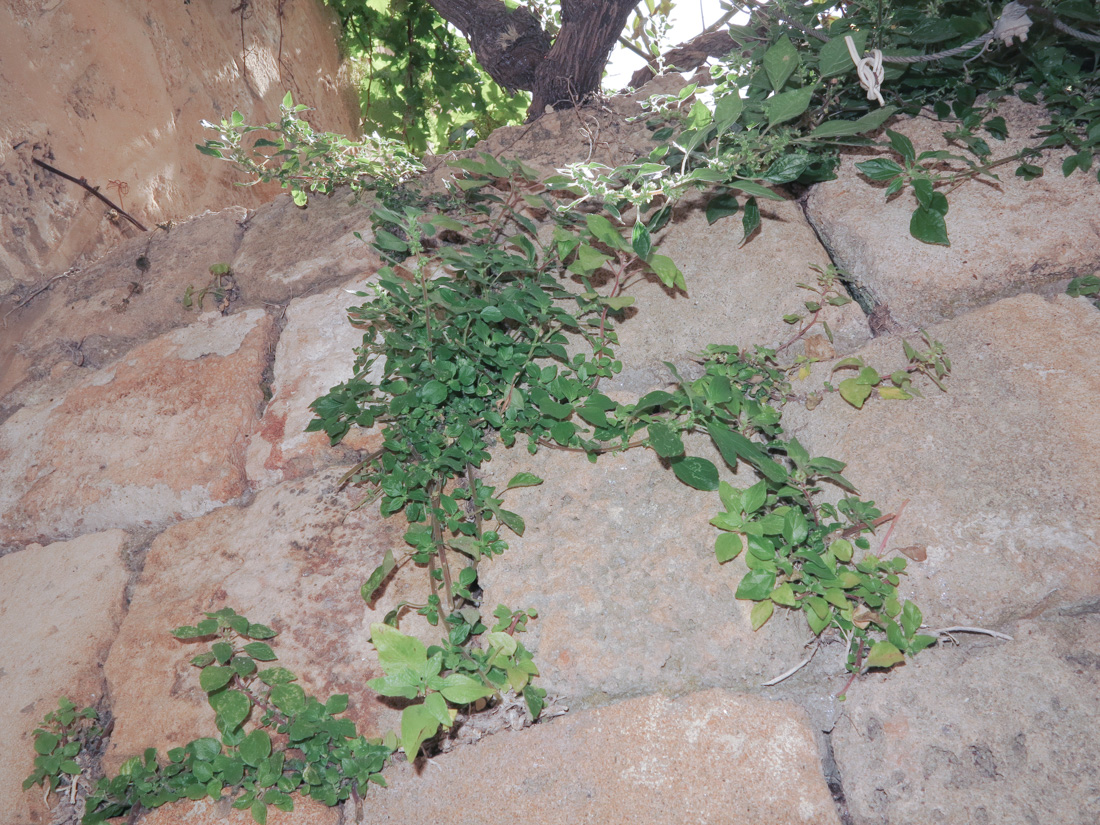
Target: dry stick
893	524
793	670
92	189
947	631
38	292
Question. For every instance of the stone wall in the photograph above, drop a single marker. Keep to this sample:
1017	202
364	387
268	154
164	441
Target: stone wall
161	452
114	90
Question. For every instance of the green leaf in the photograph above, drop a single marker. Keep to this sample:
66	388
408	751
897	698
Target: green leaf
290	699
727	109
755	190
902	145
750	221
760	613
300	197
884	655
854	392
910	619
232	708
288	101
756	586
255	747
697	473
841	549
44	743
846	128
780	61
734	446
787	106
371	585
880	169
721	206
513	521
417	724
641	241
259	812
754	497
433	392
606	232
523	480
669	274
260	651
834	59
206	749
664	441
929	226
395	649
784	595
214	677
276	676
462	689
728	546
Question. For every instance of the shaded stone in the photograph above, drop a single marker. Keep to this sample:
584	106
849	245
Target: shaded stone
708	757
60	607
290	249
116	93
294	559
735	295
96	314
1007	236
618	559
988	731
1000	471
158	436
314	354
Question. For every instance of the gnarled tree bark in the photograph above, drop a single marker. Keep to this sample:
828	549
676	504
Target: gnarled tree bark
517	53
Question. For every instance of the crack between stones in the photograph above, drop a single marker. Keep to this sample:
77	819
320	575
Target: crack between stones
833	779
860	295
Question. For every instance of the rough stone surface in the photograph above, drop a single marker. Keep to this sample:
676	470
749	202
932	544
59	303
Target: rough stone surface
734	295
60	607
1006	237
115	90
618	559
160	435
93	316
294	559
708	757
314	354
96	314
1000	471
184	812
289	249
986	732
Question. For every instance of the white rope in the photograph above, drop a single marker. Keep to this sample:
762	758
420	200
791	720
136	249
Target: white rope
869	69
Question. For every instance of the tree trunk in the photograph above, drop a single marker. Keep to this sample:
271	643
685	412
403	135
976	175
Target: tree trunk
517	53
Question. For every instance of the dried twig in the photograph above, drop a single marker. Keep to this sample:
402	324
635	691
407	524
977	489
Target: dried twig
39	291
793	670
95	191
947	631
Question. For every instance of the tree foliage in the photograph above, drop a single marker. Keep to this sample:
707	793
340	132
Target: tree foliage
418	80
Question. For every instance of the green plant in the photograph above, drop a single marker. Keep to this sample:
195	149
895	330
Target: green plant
222	289
413	671
479	335
417	79
305	161
64	733
275	740
787	99
1087	286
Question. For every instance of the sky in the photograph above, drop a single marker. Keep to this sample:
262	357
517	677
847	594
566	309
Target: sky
689	18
